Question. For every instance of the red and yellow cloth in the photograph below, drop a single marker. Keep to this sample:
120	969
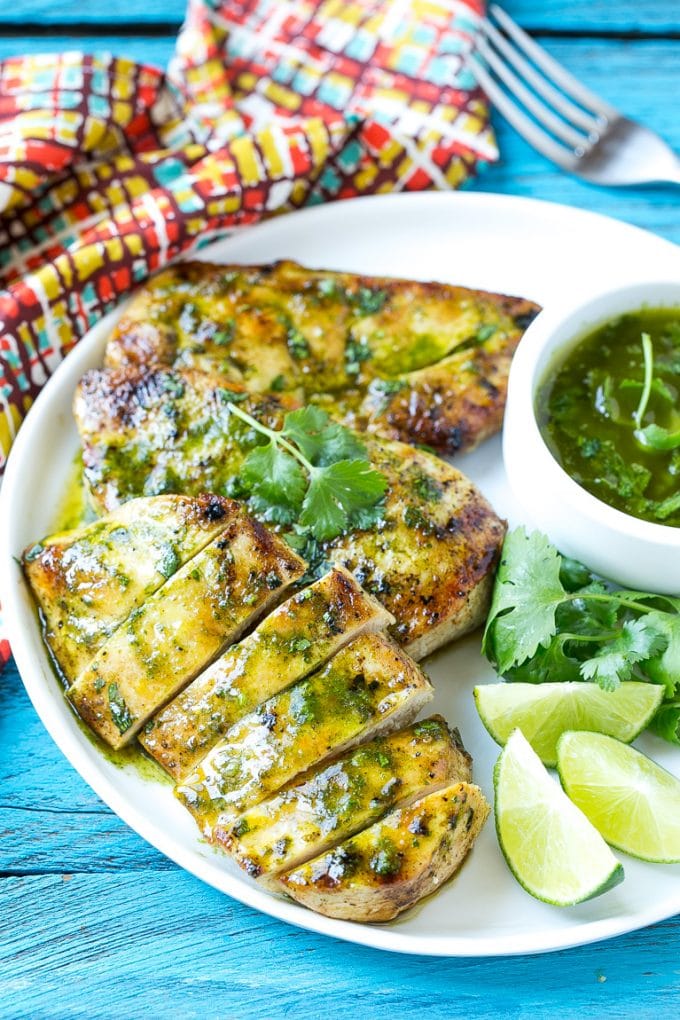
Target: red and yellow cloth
109	169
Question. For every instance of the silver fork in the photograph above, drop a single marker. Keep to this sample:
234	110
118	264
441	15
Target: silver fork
583	134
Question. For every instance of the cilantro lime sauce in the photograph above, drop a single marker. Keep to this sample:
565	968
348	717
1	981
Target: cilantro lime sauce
74	508
611	414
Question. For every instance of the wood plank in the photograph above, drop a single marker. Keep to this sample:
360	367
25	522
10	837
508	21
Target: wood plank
45	13
52	840
33	772
108	946
154	50
584	16
581	16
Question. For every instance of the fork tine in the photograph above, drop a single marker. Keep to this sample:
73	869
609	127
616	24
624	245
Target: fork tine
552	69
529	130
541	112
564	106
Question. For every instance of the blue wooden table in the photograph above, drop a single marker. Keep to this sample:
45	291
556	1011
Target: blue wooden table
93	921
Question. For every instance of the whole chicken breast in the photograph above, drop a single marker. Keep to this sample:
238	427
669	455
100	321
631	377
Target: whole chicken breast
374	351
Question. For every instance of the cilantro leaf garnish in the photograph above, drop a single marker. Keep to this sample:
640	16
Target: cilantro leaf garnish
657	437
313	473
549	664
527	593
320	440
276	483
664	668
550	620
336	492
635	641
666	722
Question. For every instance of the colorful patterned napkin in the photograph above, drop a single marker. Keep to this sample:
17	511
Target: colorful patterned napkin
109	169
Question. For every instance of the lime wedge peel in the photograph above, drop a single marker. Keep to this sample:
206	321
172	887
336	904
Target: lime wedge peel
544	711
633	802
550	846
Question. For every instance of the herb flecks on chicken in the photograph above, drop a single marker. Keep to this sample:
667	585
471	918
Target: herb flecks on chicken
421	362
428	556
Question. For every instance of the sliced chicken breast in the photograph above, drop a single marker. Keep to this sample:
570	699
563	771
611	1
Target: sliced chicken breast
393	864
87	581
334	801
370	687
182	627
295	639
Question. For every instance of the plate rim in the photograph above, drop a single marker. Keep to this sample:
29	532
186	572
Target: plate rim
376	937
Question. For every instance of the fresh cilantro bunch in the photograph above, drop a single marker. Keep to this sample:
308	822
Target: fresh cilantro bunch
551	620
312	474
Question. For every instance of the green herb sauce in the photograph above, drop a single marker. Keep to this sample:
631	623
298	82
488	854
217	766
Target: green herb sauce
74	508
611	414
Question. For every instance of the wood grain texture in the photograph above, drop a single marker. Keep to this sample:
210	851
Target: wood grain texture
95	923
579	16
121	945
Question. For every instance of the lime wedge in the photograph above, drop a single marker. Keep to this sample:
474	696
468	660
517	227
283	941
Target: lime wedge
544	711
630	799
550	846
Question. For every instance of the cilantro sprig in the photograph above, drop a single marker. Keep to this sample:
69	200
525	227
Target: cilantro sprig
552	620
312	474
654	436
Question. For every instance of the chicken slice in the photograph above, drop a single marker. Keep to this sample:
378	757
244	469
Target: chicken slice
388	867
370	687
87	581
182	627
334	801
429	561
296	638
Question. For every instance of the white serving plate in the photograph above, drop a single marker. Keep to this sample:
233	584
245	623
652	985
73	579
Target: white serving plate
550	253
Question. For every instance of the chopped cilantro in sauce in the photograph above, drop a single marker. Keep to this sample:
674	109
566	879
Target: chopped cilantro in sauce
611	414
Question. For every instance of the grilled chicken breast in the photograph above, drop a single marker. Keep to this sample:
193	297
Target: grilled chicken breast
87	581
295	639
368	688
430	561
373	350
334	801
162	431
388	867
182	627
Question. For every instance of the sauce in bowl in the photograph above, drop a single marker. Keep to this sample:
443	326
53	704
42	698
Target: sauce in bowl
611	414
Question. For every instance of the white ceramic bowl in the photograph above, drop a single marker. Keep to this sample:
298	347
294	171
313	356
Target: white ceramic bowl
627	550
